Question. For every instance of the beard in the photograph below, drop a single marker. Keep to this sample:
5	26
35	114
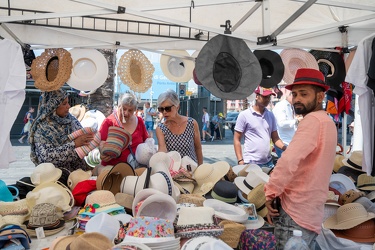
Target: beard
301	109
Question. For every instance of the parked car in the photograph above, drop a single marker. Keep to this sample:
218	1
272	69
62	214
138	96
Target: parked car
231	119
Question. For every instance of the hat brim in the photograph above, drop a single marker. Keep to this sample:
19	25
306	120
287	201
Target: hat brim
203	185
251	72
271	61
341	234
90	69
226	211
345	162
158	205
142	195
82	111
111	179
332	223
188	65
254	224
343	181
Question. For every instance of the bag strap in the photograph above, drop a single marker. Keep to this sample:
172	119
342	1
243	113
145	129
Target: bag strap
131	151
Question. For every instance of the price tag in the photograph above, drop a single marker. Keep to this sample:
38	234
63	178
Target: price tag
39	233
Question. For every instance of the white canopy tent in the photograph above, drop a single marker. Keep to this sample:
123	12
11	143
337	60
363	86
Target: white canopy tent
156	25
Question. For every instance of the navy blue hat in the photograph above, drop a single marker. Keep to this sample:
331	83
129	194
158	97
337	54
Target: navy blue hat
225	191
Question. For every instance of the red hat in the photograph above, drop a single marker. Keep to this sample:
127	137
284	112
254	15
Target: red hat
264	91
81	190
310	77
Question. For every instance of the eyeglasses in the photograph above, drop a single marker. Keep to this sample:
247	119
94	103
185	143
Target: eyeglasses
167	109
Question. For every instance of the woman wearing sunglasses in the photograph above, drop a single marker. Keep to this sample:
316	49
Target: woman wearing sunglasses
178	133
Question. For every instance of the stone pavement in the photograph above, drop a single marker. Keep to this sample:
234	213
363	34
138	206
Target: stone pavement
218	150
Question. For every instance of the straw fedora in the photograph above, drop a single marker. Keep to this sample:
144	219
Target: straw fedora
295	59
306	76
45	172
341	183
243	170
207	175
78	111
227	68
332	65
125	200
90	69
77	176
135	70
176	68
47	79
252	179
111	179
354	161
348	216
62	242
338	163
364	232
93	241
258	197
366	182
272	67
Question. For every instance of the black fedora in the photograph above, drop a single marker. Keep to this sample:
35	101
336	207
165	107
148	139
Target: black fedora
272	67
332	65
227	68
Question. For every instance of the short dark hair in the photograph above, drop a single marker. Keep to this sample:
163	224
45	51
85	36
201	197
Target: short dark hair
318	88
205	108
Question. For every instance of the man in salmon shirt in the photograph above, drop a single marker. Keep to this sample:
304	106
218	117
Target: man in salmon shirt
301	176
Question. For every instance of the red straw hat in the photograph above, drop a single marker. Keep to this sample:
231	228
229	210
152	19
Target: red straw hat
310	77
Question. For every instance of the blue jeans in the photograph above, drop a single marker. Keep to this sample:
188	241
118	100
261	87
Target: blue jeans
149	125
279	151
267	165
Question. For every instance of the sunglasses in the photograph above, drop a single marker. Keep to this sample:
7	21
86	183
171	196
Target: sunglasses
167	109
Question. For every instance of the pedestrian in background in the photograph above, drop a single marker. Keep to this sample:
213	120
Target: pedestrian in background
149	119
206	125
28	120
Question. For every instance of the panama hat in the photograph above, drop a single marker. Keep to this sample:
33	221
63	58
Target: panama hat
258	197
332	65
252	179
305	76
176	68
348	216
338	163
78	111
225	191
135	70
207	175
354	161
133	184
272	67
111	179
51	76
93	116
366	182
227	68
341	183
295	59
90	69
45	172
62	242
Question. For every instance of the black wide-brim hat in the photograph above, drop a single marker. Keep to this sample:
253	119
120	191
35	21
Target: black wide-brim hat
227	68
272	67
332	65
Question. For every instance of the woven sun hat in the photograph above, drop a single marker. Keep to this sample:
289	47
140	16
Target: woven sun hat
45	215
135	70
350	196
272	67
305	76
117	140
207	175
176	158
338	163
184	187
111	179
226	211
45	172
77	176
133	184
175	67
125	200
332	65
225	191
232	232
145	150
93	158
258	197
51	192
61	242
366	182
51	69
105	224
348	216
90	69
363	233
295	59
78	111
341	183
157	205
100	201
189	164
243	170
84	150
92	241
252	179
227	68
354	161
93	116
192	198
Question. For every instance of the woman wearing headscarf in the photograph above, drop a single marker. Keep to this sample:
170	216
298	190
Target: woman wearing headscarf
49	135
124	117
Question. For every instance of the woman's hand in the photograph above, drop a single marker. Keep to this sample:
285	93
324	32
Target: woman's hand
83	140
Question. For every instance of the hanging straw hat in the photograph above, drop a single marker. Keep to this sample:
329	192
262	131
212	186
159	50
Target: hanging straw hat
135	70
175	68
50	73
295	59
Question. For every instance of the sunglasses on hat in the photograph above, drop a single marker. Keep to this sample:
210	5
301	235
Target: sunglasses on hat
167	108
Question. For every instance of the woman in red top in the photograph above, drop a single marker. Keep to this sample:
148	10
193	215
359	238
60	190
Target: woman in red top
123	116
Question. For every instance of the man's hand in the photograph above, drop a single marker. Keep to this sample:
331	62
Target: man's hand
272	212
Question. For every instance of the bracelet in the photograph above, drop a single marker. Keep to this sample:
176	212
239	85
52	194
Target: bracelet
240	161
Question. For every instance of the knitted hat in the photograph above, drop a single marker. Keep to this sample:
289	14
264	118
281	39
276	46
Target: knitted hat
118	139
